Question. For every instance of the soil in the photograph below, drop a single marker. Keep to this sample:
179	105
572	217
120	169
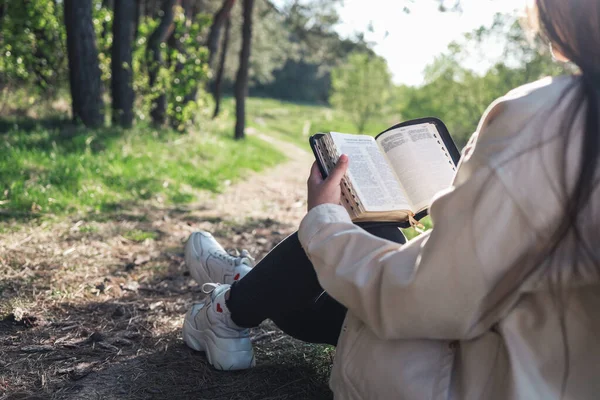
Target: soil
94	312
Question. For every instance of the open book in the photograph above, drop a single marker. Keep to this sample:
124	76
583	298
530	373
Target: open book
394	176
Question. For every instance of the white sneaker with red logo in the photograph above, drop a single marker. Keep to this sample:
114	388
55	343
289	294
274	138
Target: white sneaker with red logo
208	261
208	327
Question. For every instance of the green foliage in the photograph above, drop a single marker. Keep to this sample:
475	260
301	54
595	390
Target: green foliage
411	233
458	95
295	43
33	49
50	166
103	20
361	88
271	44
294	48
188	71
141	80
185	72
32	46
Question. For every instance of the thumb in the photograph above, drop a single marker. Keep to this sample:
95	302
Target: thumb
338	172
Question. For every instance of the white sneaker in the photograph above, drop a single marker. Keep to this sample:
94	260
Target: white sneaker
208	261
208	327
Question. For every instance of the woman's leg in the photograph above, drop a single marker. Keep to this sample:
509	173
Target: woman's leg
320	323
284	287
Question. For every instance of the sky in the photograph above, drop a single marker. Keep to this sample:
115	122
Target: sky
410	42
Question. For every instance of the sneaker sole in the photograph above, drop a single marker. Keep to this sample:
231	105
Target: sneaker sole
223	360
200	274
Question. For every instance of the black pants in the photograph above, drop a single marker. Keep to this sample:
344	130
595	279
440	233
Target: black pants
283	287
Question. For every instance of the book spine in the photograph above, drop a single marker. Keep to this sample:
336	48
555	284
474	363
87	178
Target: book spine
349	199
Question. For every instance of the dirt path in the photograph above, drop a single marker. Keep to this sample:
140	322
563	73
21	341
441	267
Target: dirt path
279	193
96	302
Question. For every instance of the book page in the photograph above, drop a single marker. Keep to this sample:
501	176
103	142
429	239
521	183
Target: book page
420	160
370	173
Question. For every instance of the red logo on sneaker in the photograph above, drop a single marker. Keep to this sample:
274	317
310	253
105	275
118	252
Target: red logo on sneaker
219	309
236	277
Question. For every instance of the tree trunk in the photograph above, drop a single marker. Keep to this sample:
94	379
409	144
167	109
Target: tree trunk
241	82
3	8
158	110
215	29
121	63
84	70
154	8
199	6
188	9
221	71
140	12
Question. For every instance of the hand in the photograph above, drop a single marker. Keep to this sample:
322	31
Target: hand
326	191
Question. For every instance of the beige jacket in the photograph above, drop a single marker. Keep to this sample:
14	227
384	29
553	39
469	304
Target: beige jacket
432	319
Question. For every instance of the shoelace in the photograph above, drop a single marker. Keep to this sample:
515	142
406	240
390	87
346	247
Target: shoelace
208	288
235	258
211	286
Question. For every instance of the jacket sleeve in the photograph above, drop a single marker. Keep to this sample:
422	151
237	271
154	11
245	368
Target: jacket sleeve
434	286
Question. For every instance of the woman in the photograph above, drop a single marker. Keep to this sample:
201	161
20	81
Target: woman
499	301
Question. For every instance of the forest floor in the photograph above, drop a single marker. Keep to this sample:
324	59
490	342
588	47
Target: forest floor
93	306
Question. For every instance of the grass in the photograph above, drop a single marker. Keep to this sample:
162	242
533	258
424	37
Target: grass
51	166
138	235
297	122
88	229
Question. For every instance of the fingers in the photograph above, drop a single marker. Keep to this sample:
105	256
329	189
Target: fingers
338	172
315	174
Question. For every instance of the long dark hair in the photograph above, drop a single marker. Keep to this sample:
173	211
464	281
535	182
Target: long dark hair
573	29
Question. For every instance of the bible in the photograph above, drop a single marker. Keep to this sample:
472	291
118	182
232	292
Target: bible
394	176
